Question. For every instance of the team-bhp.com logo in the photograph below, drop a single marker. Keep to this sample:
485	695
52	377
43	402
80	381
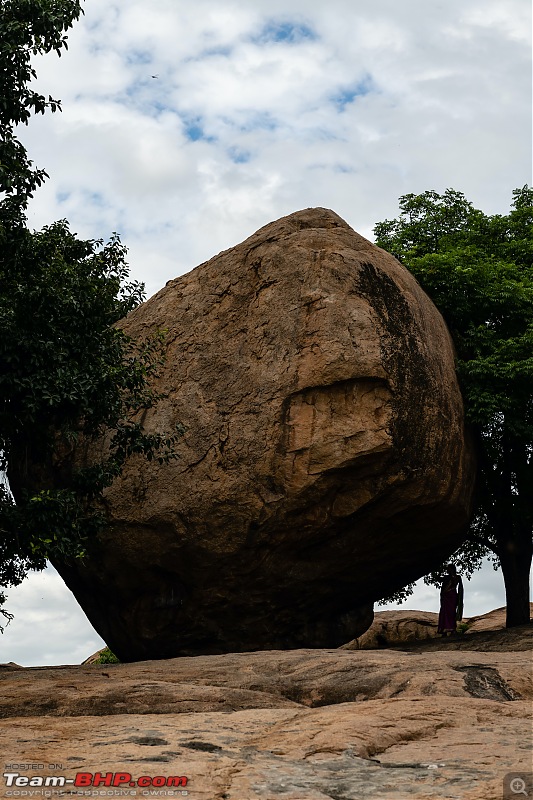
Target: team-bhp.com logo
93	780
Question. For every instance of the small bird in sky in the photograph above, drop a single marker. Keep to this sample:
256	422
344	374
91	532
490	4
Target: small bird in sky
155	76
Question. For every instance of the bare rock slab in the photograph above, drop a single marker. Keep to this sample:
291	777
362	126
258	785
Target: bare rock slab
302	725
324	462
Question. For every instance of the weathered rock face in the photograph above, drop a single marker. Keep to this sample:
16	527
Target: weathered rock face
304	725
324	462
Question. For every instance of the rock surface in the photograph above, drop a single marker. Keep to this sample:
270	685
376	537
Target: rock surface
401	626
302	725
396	627
491	622
324	462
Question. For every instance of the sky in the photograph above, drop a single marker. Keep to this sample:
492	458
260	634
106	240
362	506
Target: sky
186	127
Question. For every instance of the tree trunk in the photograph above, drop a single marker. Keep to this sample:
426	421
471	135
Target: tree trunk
515	559
512	528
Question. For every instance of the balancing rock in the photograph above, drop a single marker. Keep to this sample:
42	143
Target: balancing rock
323	463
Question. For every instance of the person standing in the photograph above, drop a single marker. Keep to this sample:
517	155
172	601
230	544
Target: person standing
451	601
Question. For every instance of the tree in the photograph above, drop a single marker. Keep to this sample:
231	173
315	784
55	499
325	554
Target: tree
478	269
27	28
67	371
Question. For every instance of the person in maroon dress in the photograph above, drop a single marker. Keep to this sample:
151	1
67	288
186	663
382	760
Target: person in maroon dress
451	601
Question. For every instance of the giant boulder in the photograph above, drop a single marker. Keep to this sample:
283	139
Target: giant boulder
323	465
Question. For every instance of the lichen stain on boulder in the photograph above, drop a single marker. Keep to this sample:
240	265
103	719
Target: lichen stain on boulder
324	463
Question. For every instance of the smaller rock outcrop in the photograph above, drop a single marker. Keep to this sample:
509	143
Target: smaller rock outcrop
407	627
396	627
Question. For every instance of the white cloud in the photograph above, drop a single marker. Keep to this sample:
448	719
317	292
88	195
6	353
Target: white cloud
246	120
512	20
260	109
49	626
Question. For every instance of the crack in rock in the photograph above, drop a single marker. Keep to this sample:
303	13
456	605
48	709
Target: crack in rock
486	683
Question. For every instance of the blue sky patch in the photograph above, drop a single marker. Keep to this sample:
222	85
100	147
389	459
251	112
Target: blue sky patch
238	155
347	94
194	130
291	32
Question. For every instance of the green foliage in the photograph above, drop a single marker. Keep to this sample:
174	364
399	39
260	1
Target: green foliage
107	657
462	628
478	270
27	28
68	373
397	597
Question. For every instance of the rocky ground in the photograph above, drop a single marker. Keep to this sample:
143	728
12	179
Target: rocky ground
438	719
403	628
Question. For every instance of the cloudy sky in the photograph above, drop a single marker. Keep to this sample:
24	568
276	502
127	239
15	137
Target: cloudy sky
259	108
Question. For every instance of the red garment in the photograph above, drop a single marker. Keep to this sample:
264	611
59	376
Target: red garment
451	604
